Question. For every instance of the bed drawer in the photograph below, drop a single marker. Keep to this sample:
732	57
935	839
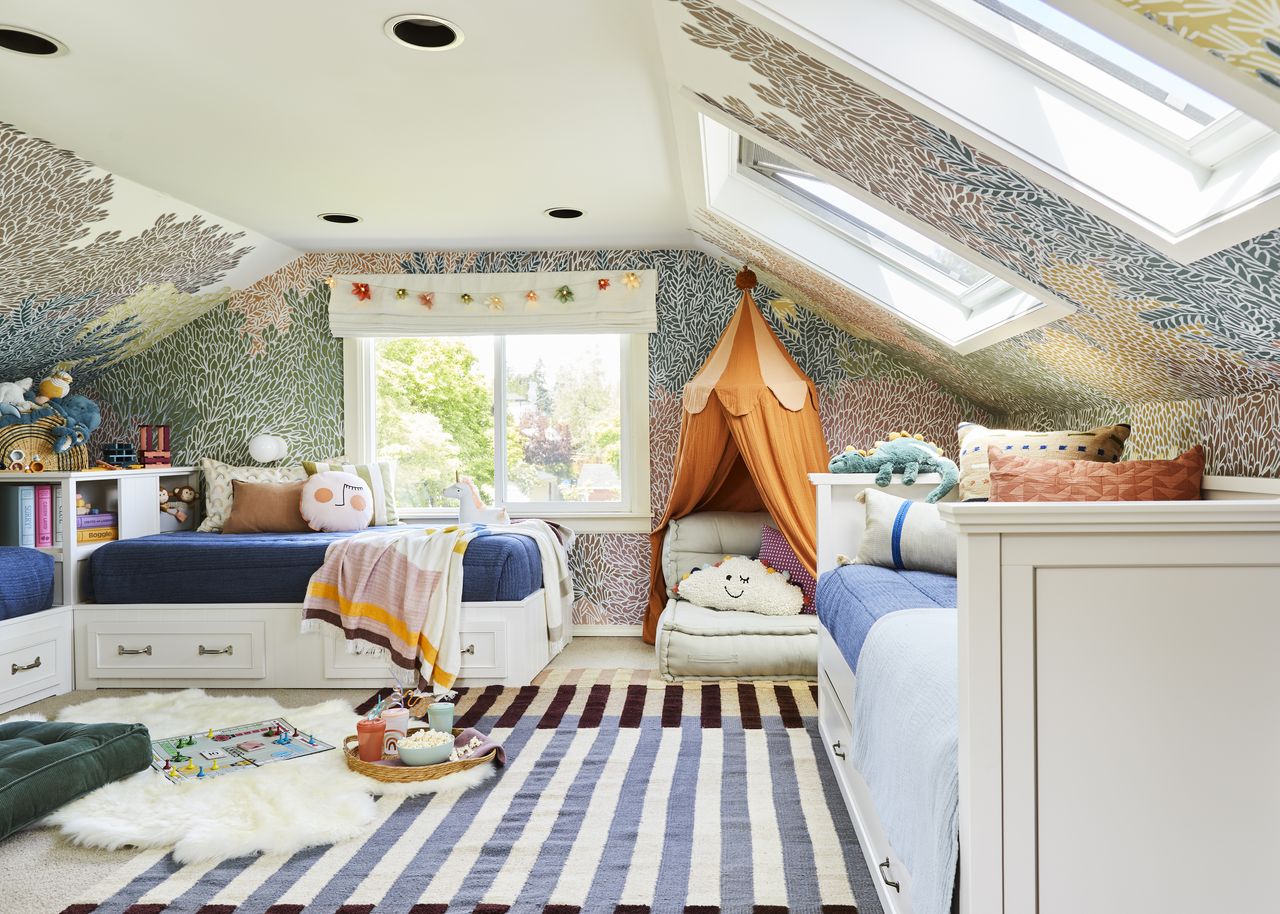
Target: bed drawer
35	657
176	650
484	649
837	732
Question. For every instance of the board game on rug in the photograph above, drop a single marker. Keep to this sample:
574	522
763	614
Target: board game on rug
239	748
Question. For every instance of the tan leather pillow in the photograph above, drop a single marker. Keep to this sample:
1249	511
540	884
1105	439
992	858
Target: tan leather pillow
1031	479
266	507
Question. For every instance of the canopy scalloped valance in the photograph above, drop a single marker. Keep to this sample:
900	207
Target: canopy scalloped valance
477	304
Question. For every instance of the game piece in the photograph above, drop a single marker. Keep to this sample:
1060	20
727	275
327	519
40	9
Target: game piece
166	764
295	733
209	735
214	766
311	739
201	774
191	766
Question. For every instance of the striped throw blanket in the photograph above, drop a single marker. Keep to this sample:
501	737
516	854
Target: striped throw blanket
400	591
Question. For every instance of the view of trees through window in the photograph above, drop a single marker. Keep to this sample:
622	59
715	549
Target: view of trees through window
562	416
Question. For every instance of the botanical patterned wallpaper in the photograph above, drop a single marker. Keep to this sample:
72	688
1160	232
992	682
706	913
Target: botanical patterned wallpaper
1244	33
94	268
265	361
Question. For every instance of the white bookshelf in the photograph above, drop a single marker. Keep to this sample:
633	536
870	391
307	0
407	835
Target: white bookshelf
36	656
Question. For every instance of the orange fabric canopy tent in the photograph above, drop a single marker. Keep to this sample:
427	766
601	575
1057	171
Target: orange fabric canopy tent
749	436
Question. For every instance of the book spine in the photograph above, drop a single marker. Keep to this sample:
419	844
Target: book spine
27	513
97	535
10	515
84	521
57	516
44	516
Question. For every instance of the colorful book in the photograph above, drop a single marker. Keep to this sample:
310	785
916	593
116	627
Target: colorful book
27	514
97	535
57	516
44	516
10	515
102	519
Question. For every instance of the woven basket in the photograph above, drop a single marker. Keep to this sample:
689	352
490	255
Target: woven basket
401	774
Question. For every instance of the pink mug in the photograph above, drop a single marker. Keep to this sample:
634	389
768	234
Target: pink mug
397	721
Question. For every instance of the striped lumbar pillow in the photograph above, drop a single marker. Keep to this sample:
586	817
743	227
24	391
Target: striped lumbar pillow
380	477
906	535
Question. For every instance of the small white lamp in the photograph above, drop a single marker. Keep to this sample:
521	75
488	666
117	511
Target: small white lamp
267	448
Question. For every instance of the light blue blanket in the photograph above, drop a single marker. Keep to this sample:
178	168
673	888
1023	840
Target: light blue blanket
905	743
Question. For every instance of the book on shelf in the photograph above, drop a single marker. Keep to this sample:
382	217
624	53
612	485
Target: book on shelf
101	519
27	515
57	516
96	535
10	515
44	515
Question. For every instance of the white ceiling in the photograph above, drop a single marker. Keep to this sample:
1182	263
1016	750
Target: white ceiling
267	113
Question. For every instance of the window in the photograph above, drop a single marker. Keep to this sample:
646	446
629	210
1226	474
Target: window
572	410
860	244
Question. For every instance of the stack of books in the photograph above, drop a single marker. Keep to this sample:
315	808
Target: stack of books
32	516
96	528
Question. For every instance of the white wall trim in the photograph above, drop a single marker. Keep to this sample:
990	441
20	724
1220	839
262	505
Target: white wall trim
585	630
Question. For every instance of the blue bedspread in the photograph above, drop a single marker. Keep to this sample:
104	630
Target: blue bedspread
190	567
852	597
26	581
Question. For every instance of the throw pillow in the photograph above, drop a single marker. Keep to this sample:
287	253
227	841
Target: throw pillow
1023	479
777	553
1100	445
218	495
741	583
906	535
380	477
335	501
266	507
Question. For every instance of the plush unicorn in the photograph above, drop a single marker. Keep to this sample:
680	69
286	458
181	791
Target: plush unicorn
471	507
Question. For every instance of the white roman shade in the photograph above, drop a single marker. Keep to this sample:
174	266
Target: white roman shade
433	304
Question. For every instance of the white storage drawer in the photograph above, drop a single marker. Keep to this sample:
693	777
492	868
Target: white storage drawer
35	657
484	649
177	650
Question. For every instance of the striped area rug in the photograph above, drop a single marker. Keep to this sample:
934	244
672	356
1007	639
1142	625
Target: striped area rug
623	794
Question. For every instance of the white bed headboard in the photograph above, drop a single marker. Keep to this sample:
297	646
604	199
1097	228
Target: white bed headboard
842	518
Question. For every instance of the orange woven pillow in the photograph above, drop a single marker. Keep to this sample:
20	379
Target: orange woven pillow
1029	479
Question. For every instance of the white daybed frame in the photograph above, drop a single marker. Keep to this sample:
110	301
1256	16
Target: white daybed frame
1119	701
260	645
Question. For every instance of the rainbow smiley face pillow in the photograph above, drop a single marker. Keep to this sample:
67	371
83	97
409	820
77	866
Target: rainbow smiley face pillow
741	583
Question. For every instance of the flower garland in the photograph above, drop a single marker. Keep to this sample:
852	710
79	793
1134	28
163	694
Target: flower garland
363	291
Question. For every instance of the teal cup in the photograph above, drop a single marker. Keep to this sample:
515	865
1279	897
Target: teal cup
440	716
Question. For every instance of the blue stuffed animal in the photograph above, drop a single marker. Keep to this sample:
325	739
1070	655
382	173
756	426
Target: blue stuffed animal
82	417
904	453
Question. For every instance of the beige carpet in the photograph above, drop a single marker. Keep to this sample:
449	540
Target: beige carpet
67	871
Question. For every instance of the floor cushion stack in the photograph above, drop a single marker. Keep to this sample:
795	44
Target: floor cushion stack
45	764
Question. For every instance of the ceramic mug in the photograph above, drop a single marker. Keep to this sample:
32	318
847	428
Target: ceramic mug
370	733
440	716
397	720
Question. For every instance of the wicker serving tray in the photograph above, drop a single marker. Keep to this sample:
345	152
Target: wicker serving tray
400	774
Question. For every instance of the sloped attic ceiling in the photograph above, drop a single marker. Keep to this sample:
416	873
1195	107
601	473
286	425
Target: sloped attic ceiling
1146	328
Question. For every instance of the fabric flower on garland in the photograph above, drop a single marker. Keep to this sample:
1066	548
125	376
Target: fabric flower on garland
361	291
602	283
631	280
427	300
466	298
531	297
401	293
495	303
564	295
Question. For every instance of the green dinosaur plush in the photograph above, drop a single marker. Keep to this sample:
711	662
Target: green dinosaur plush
905	453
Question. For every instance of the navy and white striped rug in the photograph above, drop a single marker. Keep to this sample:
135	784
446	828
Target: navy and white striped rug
623	794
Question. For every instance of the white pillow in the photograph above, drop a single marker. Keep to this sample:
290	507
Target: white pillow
740	583
217	487
336	501
906	535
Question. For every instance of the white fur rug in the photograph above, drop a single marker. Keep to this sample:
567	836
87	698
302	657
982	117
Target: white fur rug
277	809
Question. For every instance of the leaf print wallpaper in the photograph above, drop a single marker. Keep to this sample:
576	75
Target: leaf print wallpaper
1243	33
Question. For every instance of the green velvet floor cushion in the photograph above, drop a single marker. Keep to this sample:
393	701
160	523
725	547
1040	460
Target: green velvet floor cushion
44	764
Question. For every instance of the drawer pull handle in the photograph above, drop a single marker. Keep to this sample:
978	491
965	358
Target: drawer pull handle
228	650
22	669
122	651
469	649
835	748
884	874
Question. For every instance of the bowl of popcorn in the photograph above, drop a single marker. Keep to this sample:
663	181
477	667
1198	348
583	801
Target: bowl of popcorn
425	747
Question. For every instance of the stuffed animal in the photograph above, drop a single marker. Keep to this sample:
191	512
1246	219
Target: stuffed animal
741	583
905	453
471	507
82	418
13	398
54	387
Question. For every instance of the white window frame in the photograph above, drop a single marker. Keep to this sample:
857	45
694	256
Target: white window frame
1168	198
631	515
986	313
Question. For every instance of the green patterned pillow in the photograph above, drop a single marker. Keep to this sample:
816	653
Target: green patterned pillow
217	487
381	478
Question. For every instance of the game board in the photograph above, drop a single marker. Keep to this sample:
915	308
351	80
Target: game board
201	756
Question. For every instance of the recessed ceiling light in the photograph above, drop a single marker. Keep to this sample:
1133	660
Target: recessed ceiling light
25	41
339	218
564	212
423	33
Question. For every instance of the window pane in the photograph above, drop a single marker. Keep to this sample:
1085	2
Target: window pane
435	414
564	418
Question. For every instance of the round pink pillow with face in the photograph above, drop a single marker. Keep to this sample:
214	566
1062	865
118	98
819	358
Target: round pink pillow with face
336	501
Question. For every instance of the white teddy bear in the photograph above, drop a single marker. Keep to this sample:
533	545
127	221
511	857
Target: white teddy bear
738	582
13	399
